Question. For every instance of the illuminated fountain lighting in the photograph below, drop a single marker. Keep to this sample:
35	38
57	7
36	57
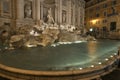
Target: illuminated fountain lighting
80	68
106	59
115	53
100	63
111	56
92	66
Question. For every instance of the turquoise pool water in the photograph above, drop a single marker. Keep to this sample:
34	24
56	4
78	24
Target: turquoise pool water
60	57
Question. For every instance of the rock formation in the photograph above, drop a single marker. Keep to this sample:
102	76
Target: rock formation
49	36
4	34
17	41
43	34
65	36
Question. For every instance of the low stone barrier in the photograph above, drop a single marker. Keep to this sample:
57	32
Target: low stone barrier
89	73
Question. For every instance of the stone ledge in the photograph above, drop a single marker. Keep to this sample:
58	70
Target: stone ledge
14	73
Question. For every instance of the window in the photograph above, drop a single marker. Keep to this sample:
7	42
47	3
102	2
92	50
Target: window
112	26
104	21
97	15
113	10
104	5
97	8
114	2
105	14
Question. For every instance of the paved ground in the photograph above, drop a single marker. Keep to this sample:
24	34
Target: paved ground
115	75
1	78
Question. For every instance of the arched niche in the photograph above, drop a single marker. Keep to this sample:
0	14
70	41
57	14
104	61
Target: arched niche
28	8
47	4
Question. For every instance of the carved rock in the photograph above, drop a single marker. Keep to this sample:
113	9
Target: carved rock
4	33
69	37
49	36
17	41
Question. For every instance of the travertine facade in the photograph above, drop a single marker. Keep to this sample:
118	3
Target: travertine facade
21	12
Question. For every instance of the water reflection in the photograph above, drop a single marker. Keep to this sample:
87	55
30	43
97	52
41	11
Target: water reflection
92	48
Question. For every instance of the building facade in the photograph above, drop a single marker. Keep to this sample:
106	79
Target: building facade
103	16
21	12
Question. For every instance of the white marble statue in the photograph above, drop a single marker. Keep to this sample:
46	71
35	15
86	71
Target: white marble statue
49	17
28	10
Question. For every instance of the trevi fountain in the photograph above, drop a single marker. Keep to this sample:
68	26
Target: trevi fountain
49	42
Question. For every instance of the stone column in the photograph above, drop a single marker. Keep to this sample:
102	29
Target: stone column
79	15
41	6
83	13
83	16
56	11
38	9
13	20
34	9
20	9
60	11
19	13
74	14
69	12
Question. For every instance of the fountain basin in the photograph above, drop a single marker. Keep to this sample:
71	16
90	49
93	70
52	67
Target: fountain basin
63	61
